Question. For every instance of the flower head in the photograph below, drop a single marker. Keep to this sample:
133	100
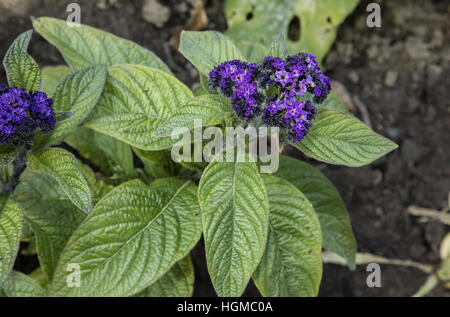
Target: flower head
22	113
283	91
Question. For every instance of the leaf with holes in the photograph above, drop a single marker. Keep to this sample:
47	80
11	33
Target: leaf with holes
341	139
207	49
20	285
84	46
136	101
134	235
78	94
261	20
11	224
177	282
65	169
292	263
334	219
234	207
21	69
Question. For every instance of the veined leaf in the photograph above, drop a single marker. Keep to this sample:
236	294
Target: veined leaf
137	100
65	169
334	219
234	208
333	102
292	263
51	76
11	225
136	231
20	285
207	49
78	93
341	139
253	52
51	215
210	109
21	69
84	46
177	282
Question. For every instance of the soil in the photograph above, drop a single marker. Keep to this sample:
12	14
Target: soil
399	74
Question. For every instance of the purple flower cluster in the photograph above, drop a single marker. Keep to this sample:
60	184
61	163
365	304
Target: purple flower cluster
238	81
289	88
22	113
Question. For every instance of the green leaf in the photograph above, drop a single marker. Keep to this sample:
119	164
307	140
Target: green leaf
7	154
21	69
51	76
205	50
341	139
210	109
253	52
279	48
333	216
234	208
84	46
11	225
65	169
262	20
177	282
51	215
78	94
98	186
20	285
158	164
136	231
292	263
137	100
109	154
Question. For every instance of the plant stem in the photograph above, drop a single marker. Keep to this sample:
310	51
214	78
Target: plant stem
19	165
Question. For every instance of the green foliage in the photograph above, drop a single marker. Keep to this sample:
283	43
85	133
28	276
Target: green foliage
130	219
341	139
261	20
334	220
292	263
20	285
84	46
65	169
51	76
234	208
136	101
11	224
21	69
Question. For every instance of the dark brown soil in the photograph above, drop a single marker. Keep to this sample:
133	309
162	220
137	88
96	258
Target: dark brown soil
400	73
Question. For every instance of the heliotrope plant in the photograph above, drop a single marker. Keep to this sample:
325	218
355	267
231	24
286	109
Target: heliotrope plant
120	218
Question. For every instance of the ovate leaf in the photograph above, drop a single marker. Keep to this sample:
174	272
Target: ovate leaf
177	282
21	69
138	100
20	285
207	109
51	76
292	263
133	236
11	224
234	207
65	169
341	139
205	50
334	219
84	46
78	94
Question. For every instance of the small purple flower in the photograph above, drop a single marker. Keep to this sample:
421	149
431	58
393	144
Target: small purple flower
22	114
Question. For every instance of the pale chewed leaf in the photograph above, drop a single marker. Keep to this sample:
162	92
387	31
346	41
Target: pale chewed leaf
20	285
